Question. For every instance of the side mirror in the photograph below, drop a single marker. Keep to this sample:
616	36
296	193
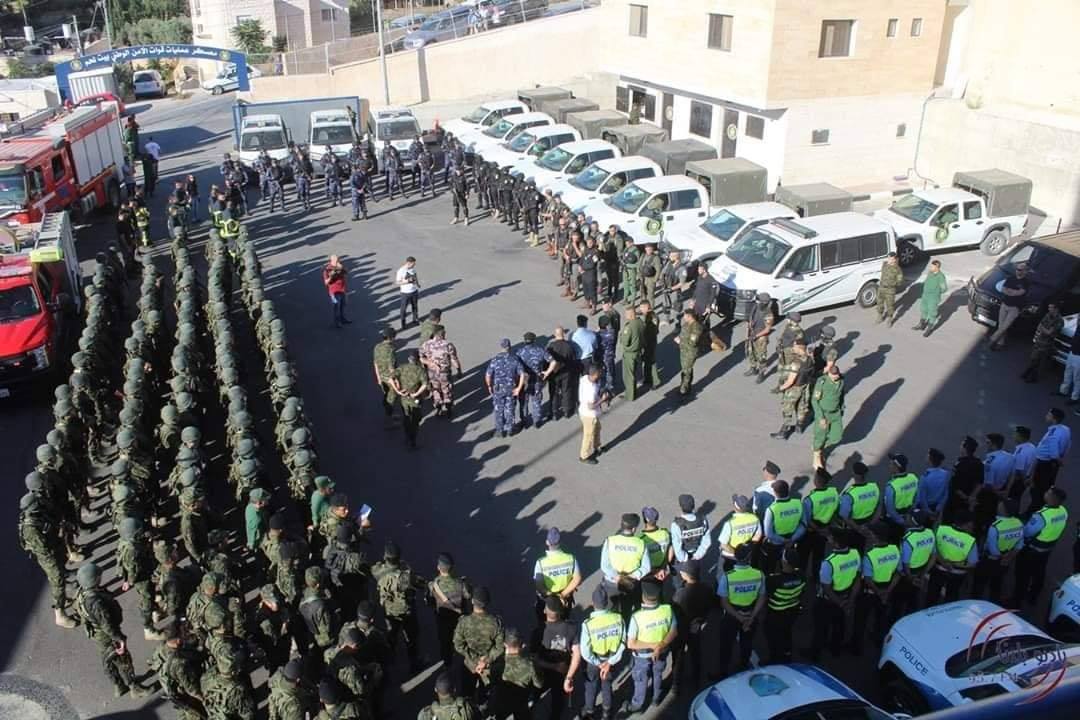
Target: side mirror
789	275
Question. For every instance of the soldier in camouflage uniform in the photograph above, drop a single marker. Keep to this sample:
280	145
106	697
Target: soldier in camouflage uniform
411	383
226	690
823	352
759	323
440	357
136	565
347	568
518	681
478	639
1042	343
827	400
270	627
688	342
197	606
448	595
290	697
793	389
791	333
448	706
892	277
178	669
173	585
397	586
336	703
319	619
194	525
101	617
288	579
345	664
385	365
39	535
301	478
427	328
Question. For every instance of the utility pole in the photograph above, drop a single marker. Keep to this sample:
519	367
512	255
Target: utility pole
78	39
108	25
382	52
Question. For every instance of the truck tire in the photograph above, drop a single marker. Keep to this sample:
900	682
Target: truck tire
868	295
900	695
112	195
995	242
906	252
216	90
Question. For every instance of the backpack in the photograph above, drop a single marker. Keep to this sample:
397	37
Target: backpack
394	592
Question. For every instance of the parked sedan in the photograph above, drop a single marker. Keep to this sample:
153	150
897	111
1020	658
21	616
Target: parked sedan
507	12
446	25
408	22
148	83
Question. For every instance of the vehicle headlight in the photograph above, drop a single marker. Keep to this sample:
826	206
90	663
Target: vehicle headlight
41	356
1032	309
746	294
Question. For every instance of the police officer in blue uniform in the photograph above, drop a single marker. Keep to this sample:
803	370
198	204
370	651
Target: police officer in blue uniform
415	150
390	161
505	380
329	169
277	189
358	187
539	364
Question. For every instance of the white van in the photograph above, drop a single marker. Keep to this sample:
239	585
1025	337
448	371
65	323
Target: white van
565	160
484	116
650	208
262	132
530	144
329	127
503	131
396	125
601	179
710	239
805	264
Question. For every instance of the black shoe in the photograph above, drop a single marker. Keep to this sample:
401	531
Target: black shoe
760	378
750	372
929	329
504	434
780	434
589	460
921	324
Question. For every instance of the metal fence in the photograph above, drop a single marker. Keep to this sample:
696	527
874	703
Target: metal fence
405	33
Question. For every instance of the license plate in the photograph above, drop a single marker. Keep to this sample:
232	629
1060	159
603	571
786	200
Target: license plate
4	392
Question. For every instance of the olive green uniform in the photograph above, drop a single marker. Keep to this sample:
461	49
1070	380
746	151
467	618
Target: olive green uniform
827	401
649	268
386	363
933	289
891	279
689	336
631	342
631	256
649	372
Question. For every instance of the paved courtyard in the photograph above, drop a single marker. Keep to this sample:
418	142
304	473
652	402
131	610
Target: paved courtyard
489	500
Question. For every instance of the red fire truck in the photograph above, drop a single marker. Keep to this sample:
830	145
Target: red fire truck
40	300
70	161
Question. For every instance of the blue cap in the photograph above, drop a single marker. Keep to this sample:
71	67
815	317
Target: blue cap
505	343
553	536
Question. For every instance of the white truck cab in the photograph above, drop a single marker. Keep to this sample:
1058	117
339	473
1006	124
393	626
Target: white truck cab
530	144
396	125
709	240
262	132
329	127
986	208
602	179
564	161
811	263
504	130
650	208
484	116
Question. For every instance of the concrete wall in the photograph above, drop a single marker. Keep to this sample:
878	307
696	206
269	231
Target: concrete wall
1043	148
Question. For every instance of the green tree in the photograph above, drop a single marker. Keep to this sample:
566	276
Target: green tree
250	36
17	68
280	43
360	17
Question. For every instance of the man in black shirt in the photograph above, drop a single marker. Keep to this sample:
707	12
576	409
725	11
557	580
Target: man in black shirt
558	655
562	384
1013	297
692	602
966	479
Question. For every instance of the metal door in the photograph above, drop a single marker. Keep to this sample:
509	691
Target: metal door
731	133
667	111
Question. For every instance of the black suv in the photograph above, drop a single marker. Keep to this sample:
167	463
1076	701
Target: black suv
515	11
1053	264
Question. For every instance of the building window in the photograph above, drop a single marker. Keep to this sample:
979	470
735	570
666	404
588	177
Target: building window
9	117
622	99
819	137
700	119
890	31
243	18
720	32
199	29
639	20
916	27
329	14
901	130
755	127
836	38
198	10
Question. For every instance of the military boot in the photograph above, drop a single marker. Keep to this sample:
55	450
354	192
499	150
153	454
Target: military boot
63	619
919	326
783	433
930	327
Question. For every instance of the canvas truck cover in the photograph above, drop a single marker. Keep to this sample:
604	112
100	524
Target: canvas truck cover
296	114
559	109
631	138
591	123
534	96
1004	193
815	199
673	155
730	181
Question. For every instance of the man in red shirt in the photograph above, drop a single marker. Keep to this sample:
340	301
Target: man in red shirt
333	276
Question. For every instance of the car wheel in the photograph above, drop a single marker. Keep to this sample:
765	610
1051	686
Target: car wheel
906	253
868	295
901	695
216	90
995	242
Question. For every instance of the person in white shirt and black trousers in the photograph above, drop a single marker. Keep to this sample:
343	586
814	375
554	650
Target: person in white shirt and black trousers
409	285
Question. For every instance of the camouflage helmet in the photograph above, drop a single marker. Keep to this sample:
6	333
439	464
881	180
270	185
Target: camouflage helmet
62	392
242	419
78	380
128	416
88	575
211	581
313	576
302	458
186	456
237	405
215	617
189	477
138	326
300	436
131	387
245	447
28	501
121	492
164	551
125	439
131	345
55	437
129	528
169	414
190	496
85	342
119	467
229	376
45	453
248	468
277	355
62	408
79	360
179	363
34	481
277	324
220	309
153	317
136	367
288	413
190	435
184	401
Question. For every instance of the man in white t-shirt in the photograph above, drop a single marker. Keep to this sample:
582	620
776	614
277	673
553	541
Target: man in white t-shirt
589	400
408	283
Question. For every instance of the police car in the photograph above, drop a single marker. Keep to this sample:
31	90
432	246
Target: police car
964	651
791	692
1064	619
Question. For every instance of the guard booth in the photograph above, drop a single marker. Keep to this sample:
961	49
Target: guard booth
559	109
730	181
815	199
533	97
673	155
631	138
591	123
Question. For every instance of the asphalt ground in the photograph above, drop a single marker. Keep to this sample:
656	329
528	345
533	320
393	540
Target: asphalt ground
488	500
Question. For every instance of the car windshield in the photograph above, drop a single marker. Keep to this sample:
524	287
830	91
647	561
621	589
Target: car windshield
914	208
431	25
723	225
522	142
332	135
590	178
262	140
12	189
629	199
18	303
555	159
1045	265
759	251
397	130
500	128
477	115
1001	654
143	77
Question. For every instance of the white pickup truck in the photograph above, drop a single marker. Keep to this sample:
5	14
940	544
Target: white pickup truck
709	240
649	208
987	208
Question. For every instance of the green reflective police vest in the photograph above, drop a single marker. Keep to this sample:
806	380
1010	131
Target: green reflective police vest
845	569
823	505
883	563
744	586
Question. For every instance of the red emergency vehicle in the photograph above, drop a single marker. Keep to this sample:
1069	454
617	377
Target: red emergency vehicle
40	299
67	161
